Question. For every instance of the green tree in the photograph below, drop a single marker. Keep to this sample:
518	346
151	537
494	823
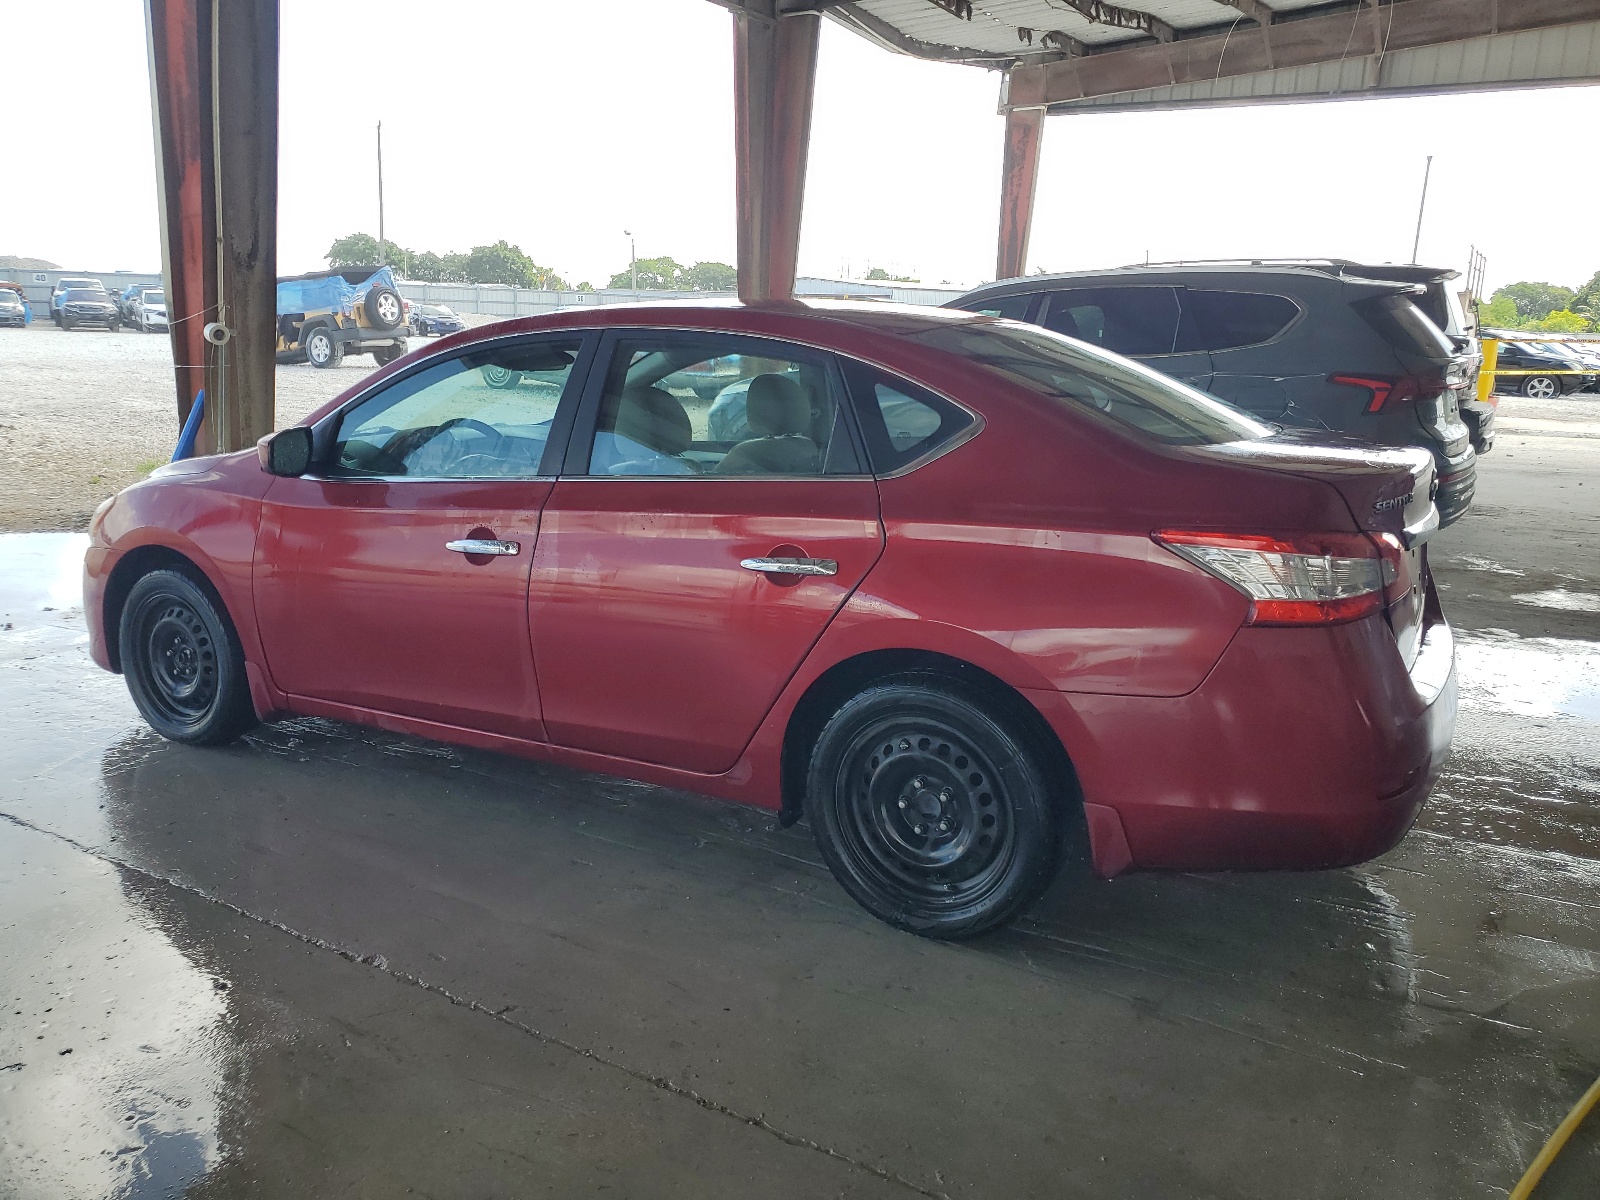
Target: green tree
1536	301
878	274
1561	321
655	275
1588	296
712	277
1500	313
507	264
361	250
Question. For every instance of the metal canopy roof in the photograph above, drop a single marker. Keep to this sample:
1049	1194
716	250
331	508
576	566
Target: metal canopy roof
1063	55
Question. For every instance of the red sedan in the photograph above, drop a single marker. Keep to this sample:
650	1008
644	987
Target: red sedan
972	598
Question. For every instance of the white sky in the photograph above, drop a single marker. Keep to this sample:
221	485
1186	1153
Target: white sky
557	125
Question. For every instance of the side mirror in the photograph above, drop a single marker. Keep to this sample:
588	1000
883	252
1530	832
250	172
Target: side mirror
287	452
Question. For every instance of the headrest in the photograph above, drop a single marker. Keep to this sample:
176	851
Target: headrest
776	407
654	418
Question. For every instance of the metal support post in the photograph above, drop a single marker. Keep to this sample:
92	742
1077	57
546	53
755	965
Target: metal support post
1019	178
214	99
775	71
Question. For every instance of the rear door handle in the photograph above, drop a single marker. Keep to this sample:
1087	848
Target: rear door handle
483	546
791	566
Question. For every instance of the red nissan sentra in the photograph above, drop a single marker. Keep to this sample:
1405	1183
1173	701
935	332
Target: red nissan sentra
971	597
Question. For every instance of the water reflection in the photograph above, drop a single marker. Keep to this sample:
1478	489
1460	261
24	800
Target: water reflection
1530	677
116	1044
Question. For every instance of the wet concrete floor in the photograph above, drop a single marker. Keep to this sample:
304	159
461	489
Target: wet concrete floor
329	961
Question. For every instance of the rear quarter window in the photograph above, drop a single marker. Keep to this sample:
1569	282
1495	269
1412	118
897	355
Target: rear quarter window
1228	320
1012	308
901	422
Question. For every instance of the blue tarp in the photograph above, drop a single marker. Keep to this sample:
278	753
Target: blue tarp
329	293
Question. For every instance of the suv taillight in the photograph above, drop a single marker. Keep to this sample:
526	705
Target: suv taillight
1302	579
1396	390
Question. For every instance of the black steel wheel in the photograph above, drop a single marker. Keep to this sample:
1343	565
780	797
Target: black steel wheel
932	809
183	661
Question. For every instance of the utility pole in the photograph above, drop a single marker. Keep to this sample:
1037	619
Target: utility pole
380	193
633	259
1421	204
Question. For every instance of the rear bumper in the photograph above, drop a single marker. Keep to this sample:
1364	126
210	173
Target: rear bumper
1304	749
1480	418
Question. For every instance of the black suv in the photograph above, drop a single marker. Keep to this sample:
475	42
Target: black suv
1324	345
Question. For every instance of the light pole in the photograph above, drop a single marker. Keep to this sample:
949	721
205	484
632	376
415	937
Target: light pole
380	193
1421	204
633	259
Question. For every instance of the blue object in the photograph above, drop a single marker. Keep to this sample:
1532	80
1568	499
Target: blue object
331	291
191	428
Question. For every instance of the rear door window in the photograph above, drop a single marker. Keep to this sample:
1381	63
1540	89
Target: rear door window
1124	320
1228	320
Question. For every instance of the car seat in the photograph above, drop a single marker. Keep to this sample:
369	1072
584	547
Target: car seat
780	416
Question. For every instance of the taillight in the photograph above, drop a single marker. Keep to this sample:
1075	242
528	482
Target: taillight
1392	391
1303	579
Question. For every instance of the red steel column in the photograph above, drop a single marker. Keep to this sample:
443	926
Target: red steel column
179	42
775	72
214	98
247	218
1019	176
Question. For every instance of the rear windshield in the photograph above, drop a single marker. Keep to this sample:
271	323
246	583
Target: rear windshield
1405	327
1078	375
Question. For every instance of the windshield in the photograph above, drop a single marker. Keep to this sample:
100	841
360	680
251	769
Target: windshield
155	298
1067	370
84	294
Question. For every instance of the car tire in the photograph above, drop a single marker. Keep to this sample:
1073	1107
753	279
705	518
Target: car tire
384	309
384	355
114	327
183	661
933	807
323	350
1541	387
501	377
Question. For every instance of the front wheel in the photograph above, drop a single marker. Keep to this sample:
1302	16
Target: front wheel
183	661
1541	387
935	812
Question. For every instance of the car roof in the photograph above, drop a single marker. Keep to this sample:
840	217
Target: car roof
733	315
1158	273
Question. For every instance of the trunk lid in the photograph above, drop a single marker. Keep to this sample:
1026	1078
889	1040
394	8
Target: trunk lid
1388	489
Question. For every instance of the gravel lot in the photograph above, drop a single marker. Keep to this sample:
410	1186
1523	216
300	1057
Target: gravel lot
84	414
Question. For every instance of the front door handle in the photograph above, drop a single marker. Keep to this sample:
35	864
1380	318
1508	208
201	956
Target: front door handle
791	566
483	546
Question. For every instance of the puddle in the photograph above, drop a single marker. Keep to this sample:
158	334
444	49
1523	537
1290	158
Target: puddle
114	1050
1529	677
1473	563
1561	598
40	573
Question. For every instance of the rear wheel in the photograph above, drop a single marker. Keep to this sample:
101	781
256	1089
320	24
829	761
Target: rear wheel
501	377
323	349
1541	387
183	661
932	809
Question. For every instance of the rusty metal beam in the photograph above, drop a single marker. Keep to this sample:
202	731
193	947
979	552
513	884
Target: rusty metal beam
1306	42
775	70
178	37
214	99
1019	177
246	159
